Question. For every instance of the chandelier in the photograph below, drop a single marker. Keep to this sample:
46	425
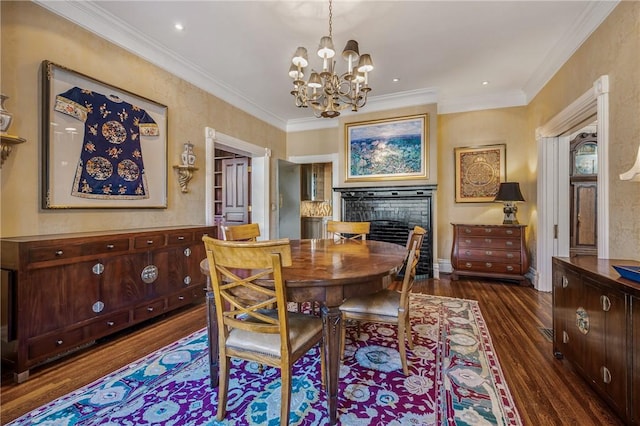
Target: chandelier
327	92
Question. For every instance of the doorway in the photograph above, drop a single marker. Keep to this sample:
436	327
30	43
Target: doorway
259	182
553	233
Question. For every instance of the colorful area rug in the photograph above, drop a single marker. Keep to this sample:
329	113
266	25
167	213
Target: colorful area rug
455	379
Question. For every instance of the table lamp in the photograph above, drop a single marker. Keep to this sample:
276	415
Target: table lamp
509	193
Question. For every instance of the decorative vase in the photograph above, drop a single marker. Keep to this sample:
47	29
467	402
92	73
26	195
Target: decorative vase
188	157
5	116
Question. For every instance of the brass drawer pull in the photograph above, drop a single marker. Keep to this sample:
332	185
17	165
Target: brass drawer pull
605	302
509	232
606	375
180	297
488	240
509	268
488	253
150	309
468	265
565	282
59	253
181	237
59	342
110	323
509	243
488	230
110	246
488	264
149	242
467	230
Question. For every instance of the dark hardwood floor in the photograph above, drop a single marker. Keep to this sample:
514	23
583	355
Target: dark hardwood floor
546	390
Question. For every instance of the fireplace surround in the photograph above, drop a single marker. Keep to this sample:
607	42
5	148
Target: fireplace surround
393	211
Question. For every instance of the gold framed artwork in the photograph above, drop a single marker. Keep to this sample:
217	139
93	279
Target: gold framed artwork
103	147
390	149
478	172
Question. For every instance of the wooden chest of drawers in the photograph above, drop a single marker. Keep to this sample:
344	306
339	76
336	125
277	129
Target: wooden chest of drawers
63	291
492	251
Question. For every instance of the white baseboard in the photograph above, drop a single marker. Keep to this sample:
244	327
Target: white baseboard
444	265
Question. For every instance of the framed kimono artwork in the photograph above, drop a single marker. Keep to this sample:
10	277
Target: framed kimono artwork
103	147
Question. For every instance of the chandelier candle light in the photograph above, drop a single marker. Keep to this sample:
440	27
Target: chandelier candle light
327	92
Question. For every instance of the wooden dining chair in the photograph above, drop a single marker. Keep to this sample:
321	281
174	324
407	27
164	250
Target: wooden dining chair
244	232
416	235
248	327
385	306
348	230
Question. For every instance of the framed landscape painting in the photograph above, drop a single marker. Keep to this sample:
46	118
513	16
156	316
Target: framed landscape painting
479	171
103	147
387	149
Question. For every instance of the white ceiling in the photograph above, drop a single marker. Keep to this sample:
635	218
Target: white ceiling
441	51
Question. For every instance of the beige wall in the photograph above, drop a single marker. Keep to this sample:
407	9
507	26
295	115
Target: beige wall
497	126
30	34
331	141
613	50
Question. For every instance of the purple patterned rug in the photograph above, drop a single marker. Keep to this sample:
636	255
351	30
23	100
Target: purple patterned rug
455	379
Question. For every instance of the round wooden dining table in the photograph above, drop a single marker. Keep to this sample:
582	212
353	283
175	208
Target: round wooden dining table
328	272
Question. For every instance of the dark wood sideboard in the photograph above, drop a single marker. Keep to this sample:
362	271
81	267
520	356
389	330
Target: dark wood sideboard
596	327
60	292
491	251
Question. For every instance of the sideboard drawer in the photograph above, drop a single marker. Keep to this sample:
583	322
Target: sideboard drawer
105	247
180	237
108	324
55	343
149	241
43	254
148	310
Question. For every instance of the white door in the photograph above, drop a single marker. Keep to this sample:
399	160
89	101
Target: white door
288	199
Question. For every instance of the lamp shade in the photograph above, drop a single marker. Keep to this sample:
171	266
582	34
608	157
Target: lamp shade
509	191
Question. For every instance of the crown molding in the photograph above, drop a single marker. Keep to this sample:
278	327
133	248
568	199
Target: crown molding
98	21
474	103
581	29
375	103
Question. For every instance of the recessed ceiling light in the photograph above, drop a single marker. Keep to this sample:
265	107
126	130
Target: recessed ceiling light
485	83
179	26
395	80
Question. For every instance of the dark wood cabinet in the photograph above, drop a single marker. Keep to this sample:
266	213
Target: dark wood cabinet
492	251
62	291
595	330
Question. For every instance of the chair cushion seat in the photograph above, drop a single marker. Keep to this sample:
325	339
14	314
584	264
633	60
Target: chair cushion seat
302	328
384	302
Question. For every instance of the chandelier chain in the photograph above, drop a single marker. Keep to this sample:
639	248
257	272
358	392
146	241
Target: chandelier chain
330	18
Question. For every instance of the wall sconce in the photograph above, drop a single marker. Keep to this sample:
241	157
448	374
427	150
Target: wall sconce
509	193
7	141
186	169
633	173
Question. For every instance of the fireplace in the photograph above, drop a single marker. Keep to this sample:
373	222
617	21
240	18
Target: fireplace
393	212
